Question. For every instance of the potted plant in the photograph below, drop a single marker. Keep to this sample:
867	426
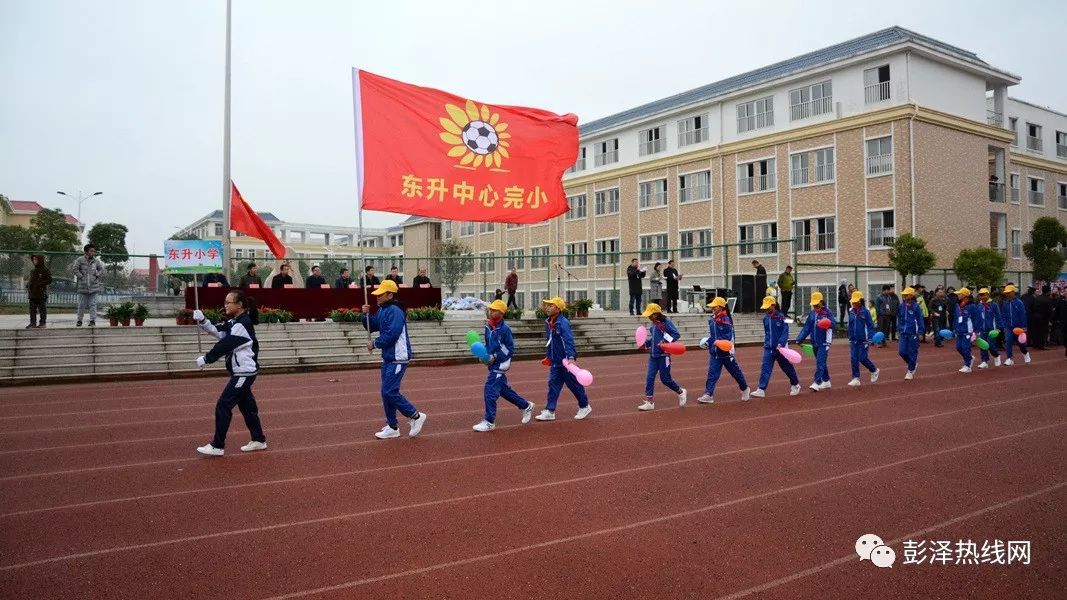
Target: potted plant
125	313
183	316
581	307
114	314
346	315
513	314
140	313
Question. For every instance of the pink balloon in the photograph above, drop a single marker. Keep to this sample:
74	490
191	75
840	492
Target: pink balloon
641	336
1022	338
791	355
583	376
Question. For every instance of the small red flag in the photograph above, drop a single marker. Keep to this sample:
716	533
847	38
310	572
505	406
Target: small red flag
246	221
421	151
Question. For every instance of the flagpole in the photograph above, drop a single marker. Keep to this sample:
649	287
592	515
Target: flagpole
196	303
357	122
226	154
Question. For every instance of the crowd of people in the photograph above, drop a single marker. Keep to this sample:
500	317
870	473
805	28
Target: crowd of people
283	277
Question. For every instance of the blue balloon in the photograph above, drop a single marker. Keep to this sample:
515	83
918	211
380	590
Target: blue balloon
478	349
878	337
946	333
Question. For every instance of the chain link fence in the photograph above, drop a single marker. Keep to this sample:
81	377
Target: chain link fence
125	278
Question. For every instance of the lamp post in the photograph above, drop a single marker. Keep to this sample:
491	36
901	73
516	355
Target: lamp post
80	198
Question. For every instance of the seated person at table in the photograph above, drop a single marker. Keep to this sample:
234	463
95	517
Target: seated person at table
343	281
394	275
250	277
315	280
283	278
215	278
370	278
421	279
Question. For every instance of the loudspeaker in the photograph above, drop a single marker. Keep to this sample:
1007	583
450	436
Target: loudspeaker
745	287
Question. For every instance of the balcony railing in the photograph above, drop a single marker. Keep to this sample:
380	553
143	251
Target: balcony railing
605	159
881	236
824	172
879	164
803	110
825	241
695	136
756	121
650	147
761	183
579	165
658	198
1034	143
798	177
876	92
1061	150
994	118
1037	198
1062	200
996	192
699	192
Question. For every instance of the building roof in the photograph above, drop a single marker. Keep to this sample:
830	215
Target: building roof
266	216
29	207
851	48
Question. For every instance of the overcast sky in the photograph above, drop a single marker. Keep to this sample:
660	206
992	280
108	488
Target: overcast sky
125	96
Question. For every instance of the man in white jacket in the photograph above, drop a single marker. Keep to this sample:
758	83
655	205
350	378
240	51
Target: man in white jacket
88	270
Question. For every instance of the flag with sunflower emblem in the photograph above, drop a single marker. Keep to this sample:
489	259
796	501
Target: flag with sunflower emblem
421	151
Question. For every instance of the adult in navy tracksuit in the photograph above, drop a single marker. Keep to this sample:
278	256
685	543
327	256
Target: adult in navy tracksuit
720	327
964	321
500	345
560	347
391	324
659	362
238	345
989	319
820	339
1013	313
910	325
775	336
860	330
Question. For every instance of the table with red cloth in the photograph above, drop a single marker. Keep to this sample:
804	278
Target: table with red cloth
315	303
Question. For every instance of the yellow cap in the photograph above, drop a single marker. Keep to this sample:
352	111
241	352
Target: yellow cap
498	305
718	301
768	302
908	291
816	298
857	296
557	301
1009	288
984	291
386	286
963	292
651	309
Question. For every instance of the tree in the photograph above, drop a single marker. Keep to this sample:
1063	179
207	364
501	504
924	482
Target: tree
980	266
909	256
52	233
14	265
110	242
454	261
184	235
1042	249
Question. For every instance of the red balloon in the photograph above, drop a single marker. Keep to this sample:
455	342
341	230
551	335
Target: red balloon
673	348
823	323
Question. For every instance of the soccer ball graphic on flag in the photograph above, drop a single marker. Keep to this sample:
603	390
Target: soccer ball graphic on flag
480	137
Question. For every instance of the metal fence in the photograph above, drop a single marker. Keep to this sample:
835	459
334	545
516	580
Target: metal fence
125	278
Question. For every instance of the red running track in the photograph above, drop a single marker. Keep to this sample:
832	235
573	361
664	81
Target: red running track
103	496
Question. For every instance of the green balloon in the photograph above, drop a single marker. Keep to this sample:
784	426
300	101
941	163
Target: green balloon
472	337
808	349
994	334
984	345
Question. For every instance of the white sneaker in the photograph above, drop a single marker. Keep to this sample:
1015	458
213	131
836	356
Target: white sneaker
527	412
825	385
1026	358
874	376
210	450
909	375
583	412
965	369
416	424
484	425
983	365
758	393
855	382
815	387
546	415
706	399
794	390
682	397
387	432
746	394
1009	362
996	362
253	446
646	406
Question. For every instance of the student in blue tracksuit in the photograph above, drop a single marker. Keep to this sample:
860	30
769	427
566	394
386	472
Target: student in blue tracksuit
910	324
1013	313
860	330
775	336
659	362
500	345
720	327
820	339
391	322
989	319
238	344
964	321
560	346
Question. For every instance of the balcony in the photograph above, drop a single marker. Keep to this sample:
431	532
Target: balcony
798	177
1037	198
994	118
881	236
650	147
1034	143
761	183
824	172
605	159
695	136
880	164
803	110
996	192
1061	150
876	92
1062	200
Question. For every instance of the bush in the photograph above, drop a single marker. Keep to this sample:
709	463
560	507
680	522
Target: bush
513	314
583	304
346	315
140	312
214	315
541	313
274	315
426	313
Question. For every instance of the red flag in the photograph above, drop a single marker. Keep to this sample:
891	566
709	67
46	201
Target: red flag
246	221
421	151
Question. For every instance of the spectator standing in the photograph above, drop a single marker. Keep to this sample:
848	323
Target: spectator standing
940	309
250	277
315	280
843	296
1039	320
786	283
760	270
634	275
655	285
511	285
89	271
672	277
886	306
37	291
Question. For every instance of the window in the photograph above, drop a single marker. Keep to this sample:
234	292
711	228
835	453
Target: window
577	254
694	244
824	165
692	130
577	207
516	259
579	165
881	230
465	228
1062	196
575	295
876	84
654	247
798	169
1037	192
653	193
536	298
539	257
608	299
815	235
810	101
1013	124
607	252
448	230
488	262
238	253
514	225
1061	144
765	233
1016	243
998	232
606	152
694	186
757	176
649	141
607	201
755	114
218	229
1014	180
1033	137
486	227
880	156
